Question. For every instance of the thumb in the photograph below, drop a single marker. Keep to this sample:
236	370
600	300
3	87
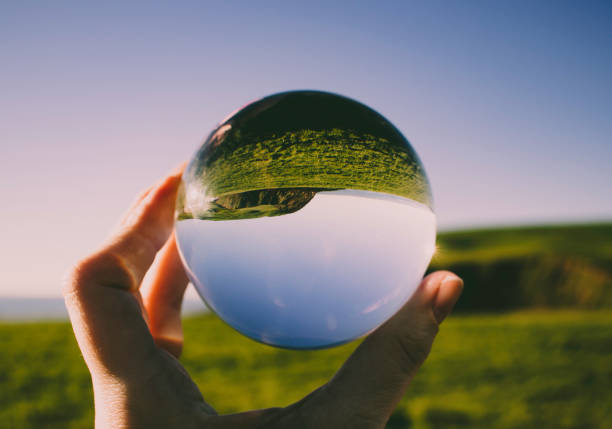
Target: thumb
372	381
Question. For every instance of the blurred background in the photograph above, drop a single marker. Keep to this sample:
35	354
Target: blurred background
508	104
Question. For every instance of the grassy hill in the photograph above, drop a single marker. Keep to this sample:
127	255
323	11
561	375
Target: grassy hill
520	369
531	267
298	160
527	370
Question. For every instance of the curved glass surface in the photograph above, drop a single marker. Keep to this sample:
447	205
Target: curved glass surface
305	220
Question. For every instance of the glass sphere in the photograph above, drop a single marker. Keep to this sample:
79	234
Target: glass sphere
305	220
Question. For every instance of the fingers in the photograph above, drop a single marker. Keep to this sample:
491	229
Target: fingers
374	378
163	291
100	292
144	230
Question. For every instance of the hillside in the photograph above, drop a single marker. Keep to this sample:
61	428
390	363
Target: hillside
521	370
547	266
527	369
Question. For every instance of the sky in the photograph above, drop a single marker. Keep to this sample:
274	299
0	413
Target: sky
508	105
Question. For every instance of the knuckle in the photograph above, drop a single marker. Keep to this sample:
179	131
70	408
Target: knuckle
73	279
101	269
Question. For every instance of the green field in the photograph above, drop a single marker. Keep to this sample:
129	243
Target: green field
317	159
565	266
529	347
521	370
304	159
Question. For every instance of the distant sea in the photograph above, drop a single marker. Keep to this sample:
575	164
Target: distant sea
24	309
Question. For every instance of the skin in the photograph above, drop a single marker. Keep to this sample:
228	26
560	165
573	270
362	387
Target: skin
124	302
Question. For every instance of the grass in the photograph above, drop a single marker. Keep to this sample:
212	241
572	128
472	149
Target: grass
320	159
586	241
331	159
565	266
519	370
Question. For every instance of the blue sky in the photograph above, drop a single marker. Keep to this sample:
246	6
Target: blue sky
507	103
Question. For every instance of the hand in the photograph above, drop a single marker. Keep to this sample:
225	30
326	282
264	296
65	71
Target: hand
128	327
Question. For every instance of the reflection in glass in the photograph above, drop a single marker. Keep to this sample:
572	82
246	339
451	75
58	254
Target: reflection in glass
305	220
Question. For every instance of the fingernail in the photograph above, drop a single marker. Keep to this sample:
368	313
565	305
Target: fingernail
448	284
452	278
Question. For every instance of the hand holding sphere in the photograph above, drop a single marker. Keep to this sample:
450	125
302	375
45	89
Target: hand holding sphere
130	334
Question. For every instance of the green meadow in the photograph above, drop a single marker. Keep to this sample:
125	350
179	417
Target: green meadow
530	267
317	159
542	360
294	160
520	370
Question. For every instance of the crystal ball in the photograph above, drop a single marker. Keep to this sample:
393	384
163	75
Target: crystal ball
305	220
